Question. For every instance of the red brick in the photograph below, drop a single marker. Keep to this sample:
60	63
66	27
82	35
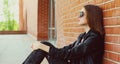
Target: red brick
98	1
43	19
74	30
112	13
112	56
112	47
75	24
115	39
70	39
108	62
71	35
112	30
112	21
117	3
109	5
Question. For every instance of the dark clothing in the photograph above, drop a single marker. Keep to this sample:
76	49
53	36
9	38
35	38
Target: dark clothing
35	57
88	51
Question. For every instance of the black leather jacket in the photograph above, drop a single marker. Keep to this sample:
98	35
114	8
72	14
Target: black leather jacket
89	51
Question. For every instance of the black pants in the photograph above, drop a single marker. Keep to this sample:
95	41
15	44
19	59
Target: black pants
37	56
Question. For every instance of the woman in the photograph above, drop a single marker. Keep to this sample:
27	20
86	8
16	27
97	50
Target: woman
87	49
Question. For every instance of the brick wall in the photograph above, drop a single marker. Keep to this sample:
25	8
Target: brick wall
43	8
37	18
68	28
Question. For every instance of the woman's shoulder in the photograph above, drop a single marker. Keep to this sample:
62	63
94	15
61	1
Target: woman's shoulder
96	35
89	34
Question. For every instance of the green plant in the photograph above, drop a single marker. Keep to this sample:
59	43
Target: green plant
9	24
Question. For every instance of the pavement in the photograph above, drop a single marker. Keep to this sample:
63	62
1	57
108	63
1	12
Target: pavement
14	49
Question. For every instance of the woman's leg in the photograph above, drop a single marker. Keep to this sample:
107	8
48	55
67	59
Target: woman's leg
52	60
36	57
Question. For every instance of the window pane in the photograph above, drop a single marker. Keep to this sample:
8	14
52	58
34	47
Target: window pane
9	15
52	27
53	35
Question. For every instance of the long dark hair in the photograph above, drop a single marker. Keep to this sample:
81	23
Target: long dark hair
95	22
95	18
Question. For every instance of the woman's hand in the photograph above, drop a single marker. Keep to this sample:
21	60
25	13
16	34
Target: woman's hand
38	45
35	45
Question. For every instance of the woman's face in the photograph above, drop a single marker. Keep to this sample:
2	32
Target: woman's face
82	18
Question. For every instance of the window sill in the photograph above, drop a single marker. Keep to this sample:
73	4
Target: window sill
12	32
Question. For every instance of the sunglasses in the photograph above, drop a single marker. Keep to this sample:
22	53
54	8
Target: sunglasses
81	14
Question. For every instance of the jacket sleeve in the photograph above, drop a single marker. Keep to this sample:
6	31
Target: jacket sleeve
89	46
60	53
63	53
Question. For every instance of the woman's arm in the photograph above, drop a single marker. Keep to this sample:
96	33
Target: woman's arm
60	53
38	45
44	47
57	52
53	51
89	46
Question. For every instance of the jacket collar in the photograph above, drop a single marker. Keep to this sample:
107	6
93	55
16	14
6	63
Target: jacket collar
85	35
90	32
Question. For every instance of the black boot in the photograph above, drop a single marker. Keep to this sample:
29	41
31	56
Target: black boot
36	57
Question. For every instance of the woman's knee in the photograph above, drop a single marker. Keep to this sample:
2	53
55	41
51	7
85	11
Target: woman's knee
36	57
